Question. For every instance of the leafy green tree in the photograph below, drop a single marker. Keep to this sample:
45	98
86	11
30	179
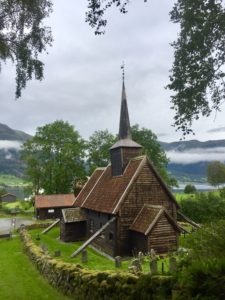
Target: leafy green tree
216	173
190	189
54	158
98	149
197	74
23	36
151	147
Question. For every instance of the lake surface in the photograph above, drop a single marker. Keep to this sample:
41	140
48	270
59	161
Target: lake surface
7	224
201	187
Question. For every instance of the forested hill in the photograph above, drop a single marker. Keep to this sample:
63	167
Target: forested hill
10	141
189	159
193	144
8	134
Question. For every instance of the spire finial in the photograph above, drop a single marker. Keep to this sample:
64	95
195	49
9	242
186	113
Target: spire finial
123	70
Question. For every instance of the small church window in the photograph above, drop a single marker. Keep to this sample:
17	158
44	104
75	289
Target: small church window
111	236
51	211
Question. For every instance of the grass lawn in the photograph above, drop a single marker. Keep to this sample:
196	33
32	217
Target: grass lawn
19	280
96	261
9	180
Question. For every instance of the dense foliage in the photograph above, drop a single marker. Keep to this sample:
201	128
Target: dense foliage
98	147
54	158
216	173
203	269
23	37
204	207
190	189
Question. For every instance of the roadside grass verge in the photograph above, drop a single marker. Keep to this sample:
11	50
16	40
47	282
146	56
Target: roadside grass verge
96	261
19	279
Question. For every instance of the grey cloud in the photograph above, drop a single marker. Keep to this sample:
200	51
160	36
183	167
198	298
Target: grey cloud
9	144
197	155
219	129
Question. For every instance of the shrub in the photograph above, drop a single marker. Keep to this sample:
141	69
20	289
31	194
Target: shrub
190	189
204	208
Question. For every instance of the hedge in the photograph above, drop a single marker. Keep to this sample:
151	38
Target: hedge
80	283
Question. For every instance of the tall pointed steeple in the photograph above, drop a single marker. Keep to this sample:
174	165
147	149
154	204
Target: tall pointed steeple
124	129
124	149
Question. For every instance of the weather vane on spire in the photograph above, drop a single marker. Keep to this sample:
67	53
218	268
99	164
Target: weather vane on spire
123	72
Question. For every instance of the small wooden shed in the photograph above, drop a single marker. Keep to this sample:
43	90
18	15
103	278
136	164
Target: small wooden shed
154	228
8	198
72	225
50	206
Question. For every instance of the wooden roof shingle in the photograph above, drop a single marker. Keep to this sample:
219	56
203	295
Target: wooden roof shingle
58	200
148	217
105	192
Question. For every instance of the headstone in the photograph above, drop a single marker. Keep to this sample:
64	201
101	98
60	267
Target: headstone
84	257
57	253
118	262
135	262
141	257
152	254
38	237
153	266
172	264
162	267
44	248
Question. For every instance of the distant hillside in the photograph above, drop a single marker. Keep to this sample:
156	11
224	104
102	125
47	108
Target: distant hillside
8	134
189	159
10	162
193	144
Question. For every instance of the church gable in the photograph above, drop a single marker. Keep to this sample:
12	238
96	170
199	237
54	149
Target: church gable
152	190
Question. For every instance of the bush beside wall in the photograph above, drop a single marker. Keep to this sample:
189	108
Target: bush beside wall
85	284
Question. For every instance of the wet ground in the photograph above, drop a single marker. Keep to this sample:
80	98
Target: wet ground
8	224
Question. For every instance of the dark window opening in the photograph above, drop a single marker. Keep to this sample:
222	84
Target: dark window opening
111	236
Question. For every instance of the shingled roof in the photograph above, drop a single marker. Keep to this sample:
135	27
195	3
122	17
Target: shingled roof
148	217
59	200
105	193
71	215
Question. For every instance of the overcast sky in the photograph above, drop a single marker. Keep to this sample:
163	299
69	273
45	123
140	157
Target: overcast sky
82	82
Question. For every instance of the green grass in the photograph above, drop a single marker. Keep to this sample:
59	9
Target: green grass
96	261
19	280
9	180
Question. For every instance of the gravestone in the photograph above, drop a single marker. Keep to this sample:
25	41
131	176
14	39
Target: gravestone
152	254
172	264
38	237
135	263
84	257
57	253
118	262
44	248
153	266
141	257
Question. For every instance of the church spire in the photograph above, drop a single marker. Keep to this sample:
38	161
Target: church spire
125	148
124	129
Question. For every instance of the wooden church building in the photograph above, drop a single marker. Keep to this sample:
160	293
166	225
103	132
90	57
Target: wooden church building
126	207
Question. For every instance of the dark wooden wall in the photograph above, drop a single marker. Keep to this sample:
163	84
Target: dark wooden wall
139	243
42	213
106	241
72	232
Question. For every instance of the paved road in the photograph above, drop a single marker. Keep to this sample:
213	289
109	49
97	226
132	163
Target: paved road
9	224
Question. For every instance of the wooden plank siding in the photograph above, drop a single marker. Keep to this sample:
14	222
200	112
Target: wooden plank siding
146	190
163	237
